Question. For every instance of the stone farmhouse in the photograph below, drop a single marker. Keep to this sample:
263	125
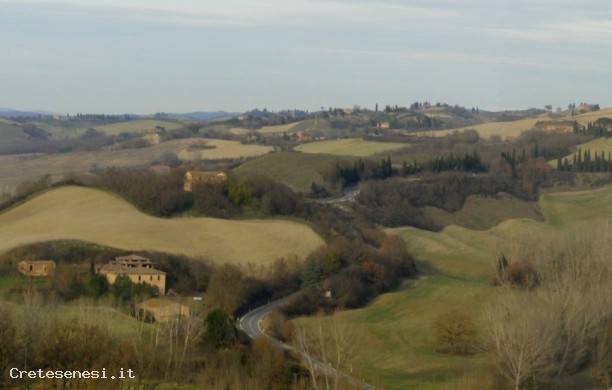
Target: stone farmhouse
212	177
139	269
36	267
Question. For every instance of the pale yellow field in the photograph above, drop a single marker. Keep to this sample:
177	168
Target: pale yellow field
99	217
137	126
6	121
349	147
583	119
223	149
279	129
515	128
16	169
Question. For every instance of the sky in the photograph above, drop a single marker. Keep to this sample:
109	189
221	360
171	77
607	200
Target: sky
147	56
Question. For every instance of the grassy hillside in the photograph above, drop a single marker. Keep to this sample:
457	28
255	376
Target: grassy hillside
456	269
16	169
10	134
349	147
120	325
98	217
297	170
480	212
76	127
313	125
595	146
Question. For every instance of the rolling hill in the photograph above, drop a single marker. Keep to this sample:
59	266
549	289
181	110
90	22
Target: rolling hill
16	169
349	147
99	217
456	268
297	170
515	128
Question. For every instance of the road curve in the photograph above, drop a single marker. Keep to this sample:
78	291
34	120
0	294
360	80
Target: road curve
250	323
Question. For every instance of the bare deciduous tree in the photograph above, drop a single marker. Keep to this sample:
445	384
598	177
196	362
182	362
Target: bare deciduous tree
522	338
329	349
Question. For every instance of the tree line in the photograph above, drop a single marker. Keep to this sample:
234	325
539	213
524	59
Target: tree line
585	161
602	127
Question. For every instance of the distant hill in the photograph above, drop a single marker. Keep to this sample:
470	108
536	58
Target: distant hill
12	113
206	116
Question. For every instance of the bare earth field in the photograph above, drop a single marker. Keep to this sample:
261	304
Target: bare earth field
349	147
102	218
15	169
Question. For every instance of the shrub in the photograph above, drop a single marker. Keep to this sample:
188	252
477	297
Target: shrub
455	333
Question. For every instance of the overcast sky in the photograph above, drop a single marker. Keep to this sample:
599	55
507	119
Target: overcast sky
144	56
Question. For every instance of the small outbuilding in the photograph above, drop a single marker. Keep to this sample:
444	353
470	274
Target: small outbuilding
209	177
36	267
163	309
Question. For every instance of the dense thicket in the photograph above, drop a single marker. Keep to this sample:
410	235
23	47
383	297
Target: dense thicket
348	274
602	127
586	161
160	195
397	202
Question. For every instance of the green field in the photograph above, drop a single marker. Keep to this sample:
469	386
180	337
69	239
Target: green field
456	268
313	125
349	147
297	170
11	133
484	212
94	216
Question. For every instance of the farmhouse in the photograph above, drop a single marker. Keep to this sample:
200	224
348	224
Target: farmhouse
139	269
36	267
303	136
211	177
384	125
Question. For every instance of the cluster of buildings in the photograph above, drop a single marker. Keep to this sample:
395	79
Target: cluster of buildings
137	268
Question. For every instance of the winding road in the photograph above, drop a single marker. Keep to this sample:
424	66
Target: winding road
251	322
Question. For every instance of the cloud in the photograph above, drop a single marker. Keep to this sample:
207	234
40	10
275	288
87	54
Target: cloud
575	31
267	13
457	57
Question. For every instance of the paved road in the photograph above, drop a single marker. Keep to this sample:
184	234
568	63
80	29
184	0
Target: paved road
251	322
348	195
